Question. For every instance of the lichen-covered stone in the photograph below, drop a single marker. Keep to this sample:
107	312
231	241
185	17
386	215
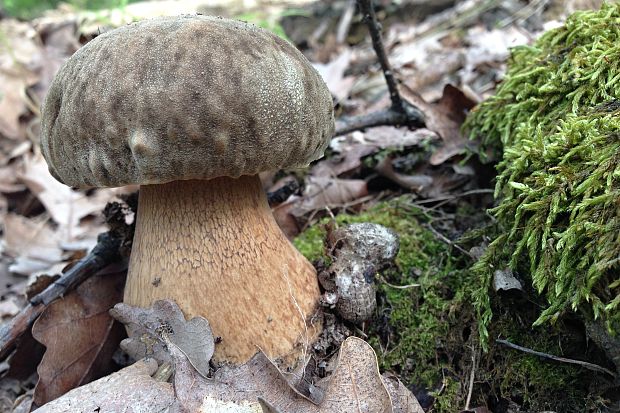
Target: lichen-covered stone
178	98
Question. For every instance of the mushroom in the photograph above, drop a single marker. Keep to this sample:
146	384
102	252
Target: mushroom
192	108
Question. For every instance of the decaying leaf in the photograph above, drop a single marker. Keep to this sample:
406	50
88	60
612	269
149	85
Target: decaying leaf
131	389
66	206
80	336
403	401
354	386
17	53
32	243
321	192
333	75
151	329
444	117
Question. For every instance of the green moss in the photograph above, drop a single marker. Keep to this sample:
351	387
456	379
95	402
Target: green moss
556	117
416	322
424	333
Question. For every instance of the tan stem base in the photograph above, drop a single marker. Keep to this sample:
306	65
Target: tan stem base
215	248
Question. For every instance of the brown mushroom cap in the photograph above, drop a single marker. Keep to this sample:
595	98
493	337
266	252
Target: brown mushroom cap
179	98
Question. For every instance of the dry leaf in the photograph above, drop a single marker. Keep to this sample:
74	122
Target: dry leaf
17	52
355	386
333	74
80	336
131	389
444	117
416	183
351	148
32	243
150	329
403	401
66	206
321	192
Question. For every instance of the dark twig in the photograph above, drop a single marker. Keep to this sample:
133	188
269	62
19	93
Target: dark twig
589	366
386	117
104	253
400	112
283	193
368	13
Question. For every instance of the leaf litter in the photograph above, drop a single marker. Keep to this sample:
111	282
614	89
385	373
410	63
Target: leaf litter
45	223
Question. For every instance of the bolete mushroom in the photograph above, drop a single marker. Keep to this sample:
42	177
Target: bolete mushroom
192	108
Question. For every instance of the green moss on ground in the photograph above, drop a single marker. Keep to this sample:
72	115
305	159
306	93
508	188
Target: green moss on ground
426	333
556	118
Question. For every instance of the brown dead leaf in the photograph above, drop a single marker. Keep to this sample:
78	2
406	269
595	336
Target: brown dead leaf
321	192
18	48
60	40
403	401
66	206
164	322
416	183
80	336
131	389
333	74
351	148
355	386
32	243
444	117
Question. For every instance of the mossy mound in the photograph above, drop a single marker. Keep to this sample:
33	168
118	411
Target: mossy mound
556	116
426	333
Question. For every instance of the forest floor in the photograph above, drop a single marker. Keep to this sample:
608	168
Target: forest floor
448	55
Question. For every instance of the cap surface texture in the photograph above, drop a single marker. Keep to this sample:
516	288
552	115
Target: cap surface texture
178	98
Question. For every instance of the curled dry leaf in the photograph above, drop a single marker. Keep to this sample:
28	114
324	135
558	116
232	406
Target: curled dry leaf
351	148
151	329
355	385
80	336
333	74
66	206
324	192
131	389
444	117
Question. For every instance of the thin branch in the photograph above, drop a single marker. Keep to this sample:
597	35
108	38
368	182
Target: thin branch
589	366
401	112
104	253
412	118
368	13
472	376
446	240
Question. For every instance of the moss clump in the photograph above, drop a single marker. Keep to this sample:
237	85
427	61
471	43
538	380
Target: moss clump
424	333
413	325
557	117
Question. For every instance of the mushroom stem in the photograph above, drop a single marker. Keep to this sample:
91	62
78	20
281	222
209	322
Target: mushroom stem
214	247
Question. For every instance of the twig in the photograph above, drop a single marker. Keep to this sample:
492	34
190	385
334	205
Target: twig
399	287
472	376
455	196
447	241
589	366
400	112
104	253
369	16
281	194
345	22
387	117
